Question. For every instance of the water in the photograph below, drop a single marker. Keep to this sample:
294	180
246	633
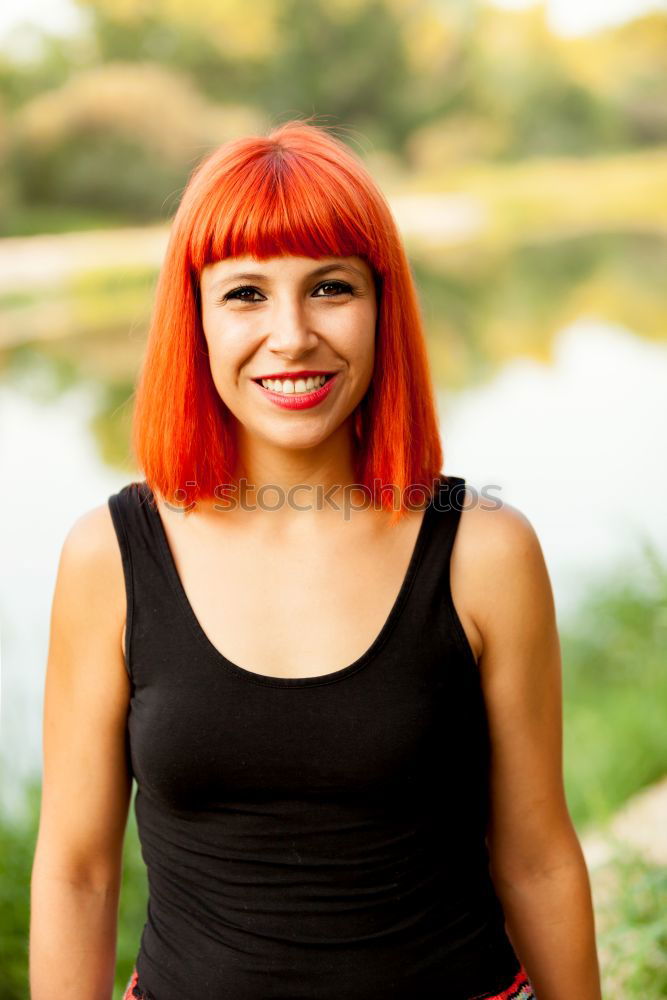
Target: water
577	446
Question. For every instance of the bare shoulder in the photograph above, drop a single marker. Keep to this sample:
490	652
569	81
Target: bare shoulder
496	531
92	535
91	568
497	569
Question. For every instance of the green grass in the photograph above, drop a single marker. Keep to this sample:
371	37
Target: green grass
18	838
615	693
632	930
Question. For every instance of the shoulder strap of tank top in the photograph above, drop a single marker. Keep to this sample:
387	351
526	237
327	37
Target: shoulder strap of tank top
141	554
442	514
448	500
133	509
435	593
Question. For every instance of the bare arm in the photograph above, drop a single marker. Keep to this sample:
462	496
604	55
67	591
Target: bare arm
86	777
537	863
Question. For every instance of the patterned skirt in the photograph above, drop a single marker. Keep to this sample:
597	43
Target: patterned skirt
519	989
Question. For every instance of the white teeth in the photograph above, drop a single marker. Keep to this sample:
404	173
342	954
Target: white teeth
288	385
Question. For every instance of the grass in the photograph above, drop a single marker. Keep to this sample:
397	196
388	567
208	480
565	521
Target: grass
615	692
631	925
18	838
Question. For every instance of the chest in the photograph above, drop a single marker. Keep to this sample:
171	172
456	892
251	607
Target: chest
294	608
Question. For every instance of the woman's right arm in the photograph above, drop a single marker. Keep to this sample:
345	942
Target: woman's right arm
87	780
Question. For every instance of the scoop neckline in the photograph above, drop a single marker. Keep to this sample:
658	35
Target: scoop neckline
268	680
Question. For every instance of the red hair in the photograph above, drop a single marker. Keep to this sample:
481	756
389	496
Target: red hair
299	191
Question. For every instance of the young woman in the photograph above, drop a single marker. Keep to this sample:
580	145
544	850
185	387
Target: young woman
332	670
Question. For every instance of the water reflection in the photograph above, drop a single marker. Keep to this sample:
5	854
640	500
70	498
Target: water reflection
577	445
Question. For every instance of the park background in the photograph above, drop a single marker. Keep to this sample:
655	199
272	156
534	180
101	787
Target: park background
526	165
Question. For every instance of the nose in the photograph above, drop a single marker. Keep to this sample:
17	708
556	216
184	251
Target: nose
289	332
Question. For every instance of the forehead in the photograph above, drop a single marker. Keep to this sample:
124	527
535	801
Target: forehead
250	268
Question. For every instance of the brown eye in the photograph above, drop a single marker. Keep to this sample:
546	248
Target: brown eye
239	293
340	288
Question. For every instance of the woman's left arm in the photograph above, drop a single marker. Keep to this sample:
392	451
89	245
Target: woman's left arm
537	863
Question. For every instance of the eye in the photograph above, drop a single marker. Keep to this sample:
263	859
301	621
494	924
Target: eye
237	293
340	288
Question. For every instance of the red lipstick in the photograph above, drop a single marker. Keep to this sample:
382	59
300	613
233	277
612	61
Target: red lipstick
299	400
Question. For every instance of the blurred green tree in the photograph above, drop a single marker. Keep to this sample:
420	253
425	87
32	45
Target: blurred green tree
120	136
380	65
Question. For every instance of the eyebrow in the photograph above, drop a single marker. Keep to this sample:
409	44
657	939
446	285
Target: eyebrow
256	276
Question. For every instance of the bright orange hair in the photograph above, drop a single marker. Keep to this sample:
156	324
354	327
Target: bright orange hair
299	191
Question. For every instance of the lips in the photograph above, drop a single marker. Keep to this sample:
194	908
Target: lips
299	400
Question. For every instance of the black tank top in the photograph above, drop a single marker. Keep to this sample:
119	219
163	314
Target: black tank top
316	837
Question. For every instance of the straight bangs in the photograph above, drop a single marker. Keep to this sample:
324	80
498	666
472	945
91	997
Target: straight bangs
297	192
287	203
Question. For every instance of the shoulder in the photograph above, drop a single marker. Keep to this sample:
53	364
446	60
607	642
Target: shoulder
496	531
91	540
91	566
499	568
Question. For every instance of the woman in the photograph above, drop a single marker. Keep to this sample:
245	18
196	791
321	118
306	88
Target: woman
332	670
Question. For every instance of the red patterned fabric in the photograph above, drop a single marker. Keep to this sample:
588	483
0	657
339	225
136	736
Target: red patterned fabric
519	989
133	991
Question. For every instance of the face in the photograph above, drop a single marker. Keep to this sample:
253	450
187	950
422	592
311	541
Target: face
285	320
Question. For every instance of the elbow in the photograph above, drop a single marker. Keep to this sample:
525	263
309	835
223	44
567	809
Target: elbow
549	861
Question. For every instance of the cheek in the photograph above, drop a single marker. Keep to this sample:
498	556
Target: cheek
228	349
355	335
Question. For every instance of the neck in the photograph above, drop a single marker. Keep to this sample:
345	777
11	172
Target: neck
290	481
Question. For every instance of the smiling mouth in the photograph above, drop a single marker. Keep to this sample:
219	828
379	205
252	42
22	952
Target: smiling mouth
295	386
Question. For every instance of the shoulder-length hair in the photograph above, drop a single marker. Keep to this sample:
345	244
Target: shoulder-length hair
300	191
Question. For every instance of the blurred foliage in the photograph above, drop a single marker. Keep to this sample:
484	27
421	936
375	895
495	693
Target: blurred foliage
120	136
632	928
36	218
542	196
379	65
114	119
615	691
627	66
522	79
133	904
18	839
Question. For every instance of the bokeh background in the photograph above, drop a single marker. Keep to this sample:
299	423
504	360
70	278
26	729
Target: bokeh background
523	148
